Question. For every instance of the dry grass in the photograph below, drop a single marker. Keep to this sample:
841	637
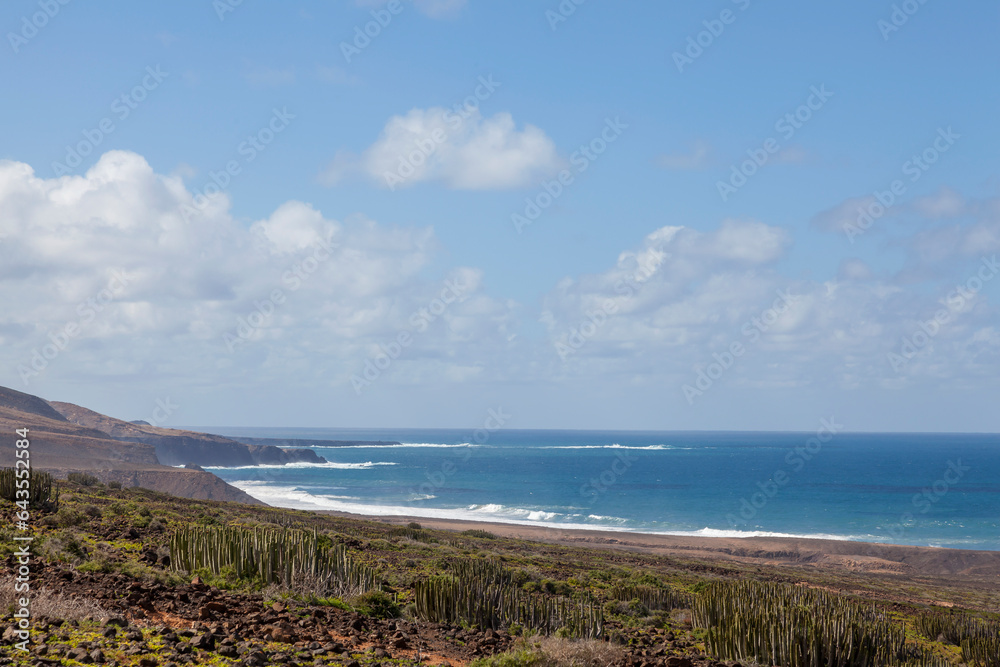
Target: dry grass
558	652
580	653
45	602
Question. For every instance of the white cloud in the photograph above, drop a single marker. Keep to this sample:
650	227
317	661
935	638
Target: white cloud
346	286
463	153
842	216
669	304
709	288
946	203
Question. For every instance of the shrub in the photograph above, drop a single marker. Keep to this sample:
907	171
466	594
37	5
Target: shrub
414	525
557	652
475	532
45	602
117	486
82	478
377	605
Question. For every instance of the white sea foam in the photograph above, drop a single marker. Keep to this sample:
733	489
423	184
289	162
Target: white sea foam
614	446
297	498
330	465
715	532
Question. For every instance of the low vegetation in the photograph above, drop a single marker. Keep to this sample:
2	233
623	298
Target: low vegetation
499	601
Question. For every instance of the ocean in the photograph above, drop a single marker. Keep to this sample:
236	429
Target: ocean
940	490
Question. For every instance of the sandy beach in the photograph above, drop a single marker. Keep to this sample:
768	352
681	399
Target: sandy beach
981	568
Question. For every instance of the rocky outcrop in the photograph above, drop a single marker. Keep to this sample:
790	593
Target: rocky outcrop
184	483
175	447
60	445
269	454
303	442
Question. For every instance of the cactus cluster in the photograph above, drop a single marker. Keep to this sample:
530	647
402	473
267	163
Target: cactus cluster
482	593
292	559
652	598
41	492
978	637
794	626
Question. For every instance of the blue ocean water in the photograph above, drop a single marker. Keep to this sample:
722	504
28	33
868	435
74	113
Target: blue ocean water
938	490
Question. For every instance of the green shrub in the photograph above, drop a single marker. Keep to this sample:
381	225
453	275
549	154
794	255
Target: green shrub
377	605
82	478
414	525
475	532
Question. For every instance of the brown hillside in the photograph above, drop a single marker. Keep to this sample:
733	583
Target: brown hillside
60	446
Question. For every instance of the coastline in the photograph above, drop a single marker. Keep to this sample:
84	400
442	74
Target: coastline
982	567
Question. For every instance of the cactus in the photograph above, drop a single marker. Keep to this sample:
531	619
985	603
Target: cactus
793	626
979	638
290	558
654	599
482	593
41	493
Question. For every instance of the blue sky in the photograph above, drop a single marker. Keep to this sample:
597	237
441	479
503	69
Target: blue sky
648	205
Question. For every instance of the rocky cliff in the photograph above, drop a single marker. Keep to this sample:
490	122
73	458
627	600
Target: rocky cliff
178	447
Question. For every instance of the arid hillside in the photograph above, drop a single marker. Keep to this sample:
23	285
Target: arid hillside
61	446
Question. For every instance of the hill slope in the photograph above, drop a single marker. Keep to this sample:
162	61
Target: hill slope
177	447
61	446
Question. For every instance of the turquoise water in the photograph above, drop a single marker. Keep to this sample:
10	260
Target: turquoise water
925	489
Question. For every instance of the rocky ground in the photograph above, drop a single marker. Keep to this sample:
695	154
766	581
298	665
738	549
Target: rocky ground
151	623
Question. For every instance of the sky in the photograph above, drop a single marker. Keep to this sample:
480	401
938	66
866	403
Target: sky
591	215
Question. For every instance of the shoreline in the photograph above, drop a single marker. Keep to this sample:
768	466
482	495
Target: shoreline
845	555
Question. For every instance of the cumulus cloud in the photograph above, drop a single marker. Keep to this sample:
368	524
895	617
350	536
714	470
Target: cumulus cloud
310	300
462	150
665	310
844	215
322	292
